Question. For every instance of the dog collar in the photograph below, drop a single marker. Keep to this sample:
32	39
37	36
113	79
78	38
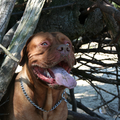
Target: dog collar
55	106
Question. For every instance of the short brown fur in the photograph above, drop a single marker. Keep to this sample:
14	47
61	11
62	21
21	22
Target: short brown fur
18	107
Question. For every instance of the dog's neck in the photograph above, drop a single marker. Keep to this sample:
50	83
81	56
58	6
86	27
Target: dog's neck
40	94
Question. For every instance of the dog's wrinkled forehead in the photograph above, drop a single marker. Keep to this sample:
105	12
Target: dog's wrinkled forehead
37	39
53	36
60	37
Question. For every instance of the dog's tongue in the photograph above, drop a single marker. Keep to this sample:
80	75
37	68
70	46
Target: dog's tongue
62	77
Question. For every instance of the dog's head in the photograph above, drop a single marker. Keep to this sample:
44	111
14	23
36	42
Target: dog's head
50	57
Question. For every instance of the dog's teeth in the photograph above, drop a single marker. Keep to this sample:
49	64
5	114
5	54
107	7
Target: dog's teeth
45	72
48	75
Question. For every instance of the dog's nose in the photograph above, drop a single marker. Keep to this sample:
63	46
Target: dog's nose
63	49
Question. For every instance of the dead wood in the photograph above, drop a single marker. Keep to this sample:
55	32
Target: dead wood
6	7
24	31
111	10
8	37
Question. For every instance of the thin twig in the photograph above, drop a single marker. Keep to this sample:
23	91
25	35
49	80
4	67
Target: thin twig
97	71
118	88
8	53
117	116
4	103
3	114
104	102
106	91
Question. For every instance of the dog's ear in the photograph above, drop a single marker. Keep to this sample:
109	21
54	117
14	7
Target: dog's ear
24	52
23	56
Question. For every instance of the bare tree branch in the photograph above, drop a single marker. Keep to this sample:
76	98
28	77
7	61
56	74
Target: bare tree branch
93	78
111	10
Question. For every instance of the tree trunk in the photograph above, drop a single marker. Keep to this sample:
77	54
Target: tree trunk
24	31
67	18
8	37
6	7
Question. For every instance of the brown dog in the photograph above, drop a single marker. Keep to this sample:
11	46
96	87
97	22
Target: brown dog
47	59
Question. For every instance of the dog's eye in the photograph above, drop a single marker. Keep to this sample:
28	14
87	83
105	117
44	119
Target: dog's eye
44	44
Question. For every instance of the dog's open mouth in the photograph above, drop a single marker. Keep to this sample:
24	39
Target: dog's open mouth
57	75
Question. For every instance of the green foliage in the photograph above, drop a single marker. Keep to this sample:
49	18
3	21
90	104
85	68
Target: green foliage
116	6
